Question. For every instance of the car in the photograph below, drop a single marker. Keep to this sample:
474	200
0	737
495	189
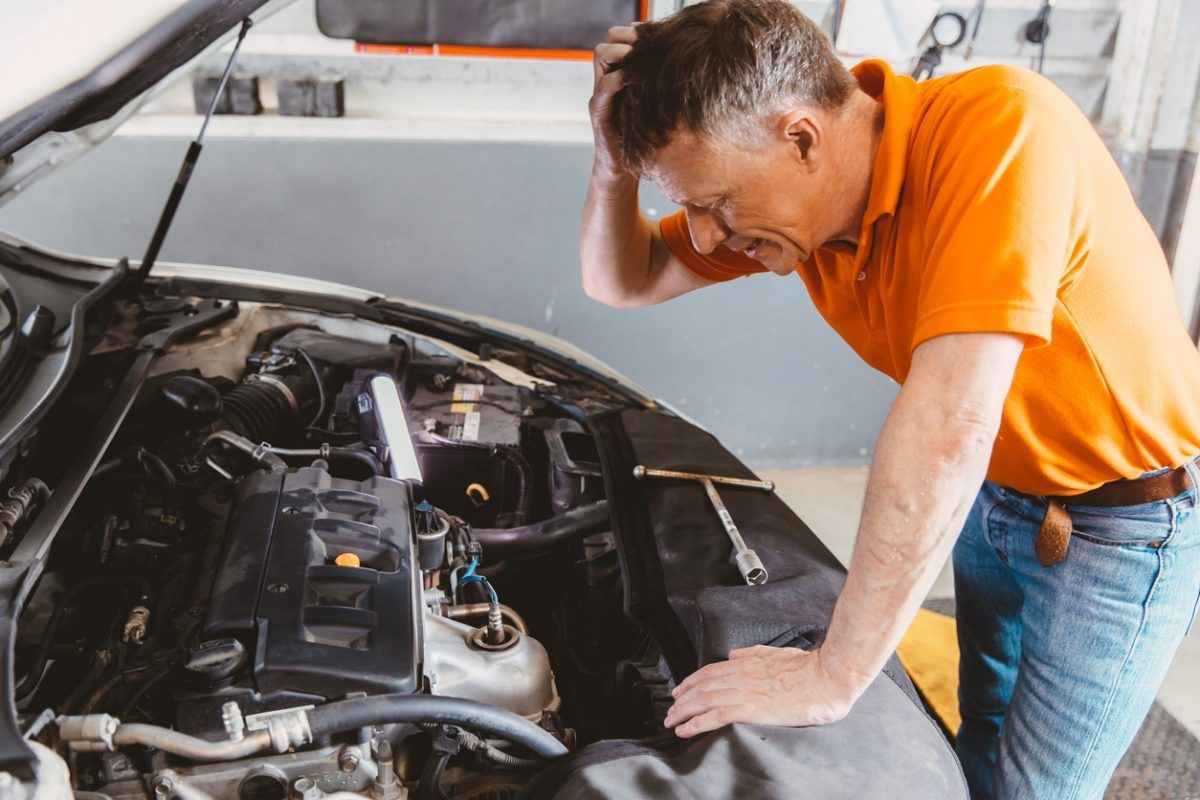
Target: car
267	537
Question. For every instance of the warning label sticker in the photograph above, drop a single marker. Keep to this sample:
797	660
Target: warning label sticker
260	721
470	428
468	392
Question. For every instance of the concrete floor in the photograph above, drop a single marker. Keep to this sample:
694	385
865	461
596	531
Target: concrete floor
830	500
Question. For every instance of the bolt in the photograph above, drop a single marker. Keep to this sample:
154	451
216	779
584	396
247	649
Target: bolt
349	761
163	786
305	789
495	625
277	588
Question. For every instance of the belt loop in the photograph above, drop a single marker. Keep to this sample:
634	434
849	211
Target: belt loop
1194	471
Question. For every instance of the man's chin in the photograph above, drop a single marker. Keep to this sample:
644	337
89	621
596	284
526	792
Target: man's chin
778	262
777	265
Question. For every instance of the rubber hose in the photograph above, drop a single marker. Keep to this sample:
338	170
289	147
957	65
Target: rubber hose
542	537
354	453
430	787
153	464
345	715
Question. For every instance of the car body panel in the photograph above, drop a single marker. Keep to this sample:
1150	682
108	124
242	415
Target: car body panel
70	83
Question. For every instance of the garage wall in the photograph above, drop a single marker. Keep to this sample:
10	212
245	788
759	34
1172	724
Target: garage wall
485	227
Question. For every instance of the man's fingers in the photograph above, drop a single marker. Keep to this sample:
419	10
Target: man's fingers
623	34
716	670
598	105
607	56
614	48
757	650
703	701
711	720
736	681
608	84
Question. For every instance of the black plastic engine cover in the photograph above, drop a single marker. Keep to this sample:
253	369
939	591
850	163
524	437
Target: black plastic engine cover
313	626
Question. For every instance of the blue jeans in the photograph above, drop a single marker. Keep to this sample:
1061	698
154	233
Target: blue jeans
1060	664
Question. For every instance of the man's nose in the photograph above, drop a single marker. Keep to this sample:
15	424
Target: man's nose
707	231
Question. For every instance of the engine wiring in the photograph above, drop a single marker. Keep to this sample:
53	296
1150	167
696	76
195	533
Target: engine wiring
470	576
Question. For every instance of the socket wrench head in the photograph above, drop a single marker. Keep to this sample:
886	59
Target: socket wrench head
751	567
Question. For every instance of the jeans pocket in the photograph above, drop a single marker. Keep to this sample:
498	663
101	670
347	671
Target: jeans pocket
1147	525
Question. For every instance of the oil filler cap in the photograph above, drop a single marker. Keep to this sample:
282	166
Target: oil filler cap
216	659
347	560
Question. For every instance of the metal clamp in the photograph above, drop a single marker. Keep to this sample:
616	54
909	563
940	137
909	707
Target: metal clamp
89	732
287	728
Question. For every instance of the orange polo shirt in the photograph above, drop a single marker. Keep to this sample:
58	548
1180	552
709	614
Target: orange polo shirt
994	206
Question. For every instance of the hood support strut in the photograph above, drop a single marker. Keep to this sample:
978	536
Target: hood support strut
185	170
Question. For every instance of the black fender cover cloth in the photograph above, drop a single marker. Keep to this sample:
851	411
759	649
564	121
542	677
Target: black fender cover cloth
683	588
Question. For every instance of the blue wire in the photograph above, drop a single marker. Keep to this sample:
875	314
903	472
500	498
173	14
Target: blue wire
469	576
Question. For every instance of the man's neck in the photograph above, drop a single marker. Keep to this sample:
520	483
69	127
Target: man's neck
861	124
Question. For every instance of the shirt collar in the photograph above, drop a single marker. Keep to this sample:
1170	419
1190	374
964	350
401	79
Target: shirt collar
898	93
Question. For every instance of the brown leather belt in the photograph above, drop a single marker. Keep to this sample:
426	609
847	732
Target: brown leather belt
1055	533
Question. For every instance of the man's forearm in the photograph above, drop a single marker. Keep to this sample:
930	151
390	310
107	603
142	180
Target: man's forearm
928	467
929	463
615	242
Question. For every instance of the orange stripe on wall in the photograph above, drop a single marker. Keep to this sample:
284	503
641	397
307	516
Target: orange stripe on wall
478	51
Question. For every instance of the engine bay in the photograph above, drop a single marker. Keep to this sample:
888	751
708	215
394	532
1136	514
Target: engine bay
303	520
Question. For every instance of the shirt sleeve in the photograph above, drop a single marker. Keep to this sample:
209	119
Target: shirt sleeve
720	265
1003	187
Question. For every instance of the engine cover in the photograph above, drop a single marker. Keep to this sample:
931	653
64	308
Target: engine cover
315	627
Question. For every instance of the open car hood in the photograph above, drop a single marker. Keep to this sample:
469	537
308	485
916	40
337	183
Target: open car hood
75	69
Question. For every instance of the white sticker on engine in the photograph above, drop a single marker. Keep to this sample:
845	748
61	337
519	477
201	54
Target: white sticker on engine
470	428
468	392
258	722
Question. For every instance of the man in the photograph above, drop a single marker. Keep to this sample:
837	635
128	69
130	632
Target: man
971	237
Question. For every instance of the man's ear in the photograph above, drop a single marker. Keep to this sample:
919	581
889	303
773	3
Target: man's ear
804	133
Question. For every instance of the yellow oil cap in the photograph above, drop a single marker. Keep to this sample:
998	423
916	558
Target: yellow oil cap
347	560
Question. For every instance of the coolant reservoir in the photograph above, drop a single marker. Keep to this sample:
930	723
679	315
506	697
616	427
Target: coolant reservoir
517	679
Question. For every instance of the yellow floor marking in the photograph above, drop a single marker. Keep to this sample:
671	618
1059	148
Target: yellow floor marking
929	651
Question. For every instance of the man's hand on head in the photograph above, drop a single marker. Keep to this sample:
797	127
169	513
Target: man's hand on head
623	259
761	685
608	56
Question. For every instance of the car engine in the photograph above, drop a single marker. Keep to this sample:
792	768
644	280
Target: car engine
307	527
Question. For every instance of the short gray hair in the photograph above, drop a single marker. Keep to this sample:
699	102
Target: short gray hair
719	69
